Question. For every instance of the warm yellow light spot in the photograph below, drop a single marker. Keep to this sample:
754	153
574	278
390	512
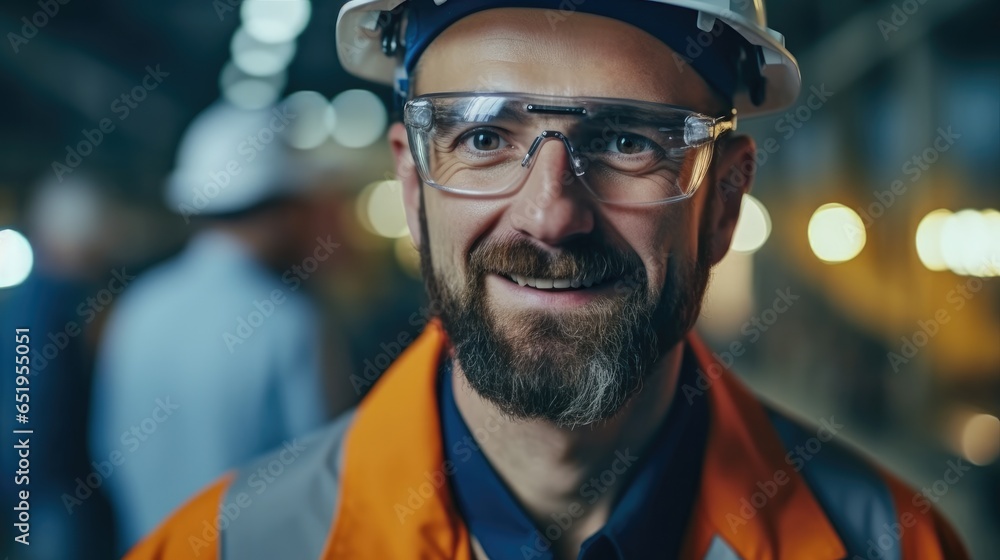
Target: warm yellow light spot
386	214
929	239
836	233
752	228
981	439
964	241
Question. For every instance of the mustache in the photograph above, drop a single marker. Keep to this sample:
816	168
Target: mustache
577	258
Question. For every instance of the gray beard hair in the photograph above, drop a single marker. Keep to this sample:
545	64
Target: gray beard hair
574	368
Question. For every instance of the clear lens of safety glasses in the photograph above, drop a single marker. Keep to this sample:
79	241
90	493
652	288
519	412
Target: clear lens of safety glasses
625	152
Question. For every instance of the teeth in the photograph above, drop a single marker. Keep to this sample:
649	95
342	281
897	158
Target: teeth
549	283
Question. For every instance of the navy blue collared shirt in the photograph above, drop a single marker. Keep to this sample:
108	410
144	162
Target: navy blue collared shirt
649	519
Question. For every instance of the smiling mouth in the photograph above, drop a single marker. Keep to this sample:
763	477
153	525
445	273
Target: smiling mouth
590	281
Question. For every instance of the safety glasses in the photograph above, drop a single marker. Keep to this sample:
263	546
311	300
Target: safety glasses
624	152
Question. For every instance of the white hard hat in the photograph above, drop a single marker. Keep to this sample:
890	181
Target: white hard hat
231	159
360	46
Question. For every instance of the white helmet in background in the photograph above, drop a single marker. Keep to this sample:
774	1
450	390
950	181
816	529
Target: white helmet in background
774	83
231	159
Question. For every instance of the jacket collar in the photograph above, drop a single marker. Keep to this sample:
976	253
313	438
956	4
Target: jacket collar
744	463
395	499
394	496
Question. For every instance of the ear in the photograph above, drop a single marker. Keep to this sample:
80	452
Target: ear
734	170
406	173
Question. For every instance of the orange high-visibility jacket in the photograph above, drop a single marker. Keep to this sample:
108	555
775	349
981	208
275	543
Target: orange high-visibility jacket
372	486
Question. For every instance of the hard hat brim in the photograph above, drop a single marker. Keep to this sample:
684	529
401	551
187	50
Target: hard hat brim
359	48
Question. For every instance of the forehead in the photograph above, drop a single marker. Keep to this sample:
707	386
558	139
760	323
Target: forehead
554	52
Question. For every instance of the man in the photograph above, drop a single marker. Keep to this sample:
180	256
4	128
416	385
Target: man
215	356
567	211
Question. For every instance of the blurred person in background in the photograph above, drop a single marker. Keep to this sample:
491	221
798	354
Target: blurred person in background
67	225
218	354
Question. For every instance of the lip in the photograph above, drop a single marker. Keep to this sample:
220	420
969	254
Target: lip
509	293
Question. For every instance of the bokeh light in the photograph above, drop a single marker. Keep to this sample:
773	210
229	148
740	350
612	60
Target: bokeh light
16	258
250	92
270	21
257	58
381	210
361	118
314	119
929	239
966	242
981	439
836	233
753	226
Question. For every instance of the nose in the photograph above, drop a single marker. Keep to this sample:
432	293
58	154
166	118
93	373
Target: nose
552	206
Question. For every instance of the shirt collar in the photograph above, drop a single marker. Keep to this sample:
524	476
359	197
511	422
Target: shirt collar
649	517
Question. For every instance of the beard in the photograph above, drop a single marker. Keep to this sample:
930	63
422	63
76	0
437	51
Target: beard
571	368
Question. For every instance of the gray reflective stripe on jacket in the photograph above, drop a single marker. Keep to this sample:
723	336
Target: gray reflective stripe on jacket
853	495
282	505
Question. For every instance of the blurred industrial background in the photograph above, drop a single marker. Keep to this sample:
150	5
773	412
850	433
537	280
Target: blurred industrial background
862	286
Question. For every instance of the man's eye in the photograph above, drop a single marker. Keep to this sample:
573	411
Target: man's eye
484	140
630	144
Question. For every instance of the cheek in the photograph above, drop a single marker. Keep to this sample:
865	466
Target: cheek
664	238
455	226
